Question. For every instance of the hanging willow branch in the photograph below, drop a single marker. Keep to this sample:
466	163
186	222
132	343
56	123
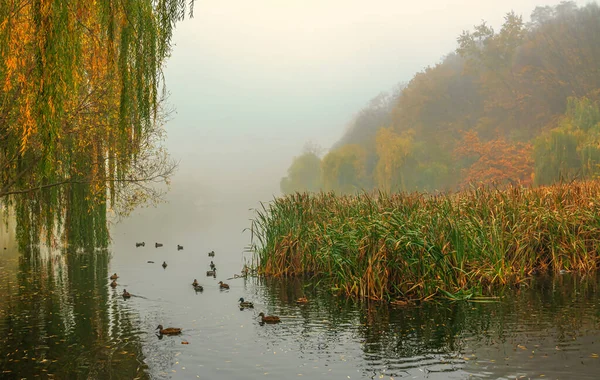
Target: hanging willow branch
80	110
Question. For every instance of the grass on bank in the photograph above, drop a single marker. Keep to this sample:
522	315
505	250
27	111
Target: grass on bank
417	246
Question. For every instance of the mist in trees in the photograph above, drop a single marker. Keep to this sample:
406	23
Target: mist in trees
519	105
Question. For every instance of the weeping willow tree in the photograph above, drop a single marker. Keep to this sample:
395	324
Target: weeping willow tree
80	112
572	149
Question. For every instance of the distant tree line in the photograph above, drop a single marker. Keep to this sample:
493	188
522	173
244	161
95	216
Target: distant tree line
516	106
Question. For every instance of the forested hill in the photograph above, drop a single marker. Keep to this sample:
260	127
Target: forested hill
517	105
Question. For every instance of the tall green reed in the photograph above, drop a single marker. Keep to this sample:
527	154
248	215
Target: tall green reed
416	246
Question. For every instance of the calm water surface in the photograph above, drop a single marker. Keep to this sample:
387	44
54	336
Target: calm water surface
60	319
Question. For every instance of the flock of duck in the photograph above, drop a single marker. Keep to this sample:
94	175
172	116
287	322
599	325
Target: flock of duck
243	304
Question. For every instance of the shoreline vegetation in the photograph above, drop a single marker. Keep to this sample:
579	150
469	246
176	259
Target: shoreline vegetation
415	246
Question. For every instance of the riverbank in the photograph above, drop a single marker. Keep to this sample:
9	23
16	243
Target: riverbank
418	246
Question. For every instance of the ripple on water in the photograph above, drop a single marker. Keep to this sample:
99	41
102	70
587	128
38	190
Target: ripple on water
70	313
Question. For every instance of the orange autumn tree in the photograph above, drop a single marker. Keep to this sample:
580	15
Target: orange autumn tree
495	162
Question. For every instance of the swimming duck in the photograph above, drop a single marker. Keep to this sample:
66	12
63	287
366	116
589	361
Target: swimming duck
156	245
269	318
114	277
302	300
223	285
246	304
212	265
113	284
195	283
211	254
211	272
198	288
126	294
168	330
142	244
179	247
164	264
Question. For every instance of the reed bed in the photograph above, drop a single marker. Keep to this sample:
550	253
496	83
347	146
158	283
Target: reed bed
418	246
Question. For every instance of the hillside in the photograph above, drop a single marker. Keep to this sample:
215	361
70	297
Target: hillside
514	106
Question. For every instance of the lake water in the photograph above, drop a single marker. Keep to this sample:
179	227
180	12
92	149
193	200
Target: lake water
59	318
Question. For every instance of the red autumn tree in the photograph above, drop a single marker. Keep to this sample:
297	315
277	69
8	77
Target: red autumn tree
496	161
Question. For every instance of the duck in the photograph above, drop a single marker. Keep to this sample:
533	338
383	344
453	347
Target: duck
212	265
302	300
114	277
222	285
179	247
150	262
113	284
195	283
211	272
156	245
247	304
168	330
164	264
198	288
211	254
126	294
142	244
269	318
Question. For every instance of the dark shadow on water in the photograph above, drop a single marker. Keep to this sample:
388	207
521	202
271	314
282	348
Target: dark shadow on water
60	318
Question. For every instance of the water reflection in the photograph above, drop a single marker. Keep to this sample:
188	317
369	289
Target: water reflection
59	318
549	330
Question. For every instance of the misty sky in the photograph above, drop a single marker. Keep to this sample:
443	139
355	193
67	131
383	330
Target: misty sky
252	81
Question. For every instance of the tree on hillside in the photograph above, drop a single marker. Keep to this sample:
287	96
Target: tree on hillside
495	162
80	112
392	150
572	149
303	175
364	126
491	56
343	169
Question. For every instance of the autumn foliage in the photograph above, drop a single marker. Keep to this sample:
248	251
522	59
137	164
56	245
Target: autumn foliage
495	162
518	105
80	110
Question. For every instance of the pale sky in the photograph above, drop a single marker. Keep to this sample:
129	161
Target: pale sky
252	81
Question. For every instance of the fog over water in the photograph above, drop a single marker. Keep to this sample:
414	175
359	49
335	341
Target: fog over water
252	82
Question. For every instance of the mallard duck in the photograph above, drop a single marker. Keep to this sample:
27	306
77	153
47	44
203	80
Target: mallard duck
156	245
142	244
211	272
179	247
211	254
114	277
164	264
195	282
222	285
269	318
212	265
168	330
113	284
302	300
198	288
247	304
126	294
